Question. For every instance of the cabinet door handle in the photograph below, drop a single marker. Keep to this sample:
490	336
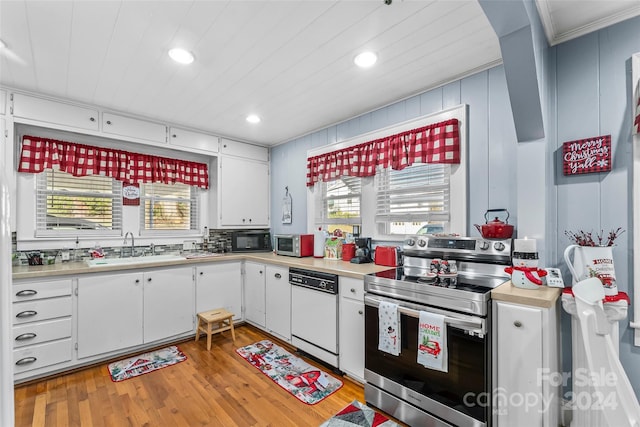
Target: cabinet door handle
517	324
359	311
26	293
353	290
26	313
202	273
260	271
149	279
27	336
137	280
26	361
174	136
92	119
108	122
278	275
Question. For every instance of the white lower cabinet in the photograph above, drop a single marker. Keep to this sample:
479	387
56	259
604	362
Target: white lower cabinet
525	357
110	313
351	321
117	311
254	293
168	303
219	285
278	302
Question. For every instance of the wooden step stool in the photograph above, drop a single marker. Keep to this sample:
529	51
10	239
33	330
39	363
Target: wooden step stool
219	317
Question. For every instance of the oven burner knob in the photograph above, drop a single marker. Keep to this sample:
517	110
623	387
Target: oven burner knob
410	242
422	243
498	246
484	245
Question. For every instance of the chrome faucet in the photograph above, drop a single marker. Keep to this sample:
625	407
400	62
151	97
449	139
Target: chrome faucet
132	242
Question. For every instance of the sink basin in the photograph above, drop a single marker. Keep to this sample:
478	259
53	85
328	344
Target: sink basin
99	262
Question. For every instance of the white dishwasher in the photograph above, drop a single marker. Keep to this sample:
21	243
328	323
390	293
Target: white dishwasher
314	313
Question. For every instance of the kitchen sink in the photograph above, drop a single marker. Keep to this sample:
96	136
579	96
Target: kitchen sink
99	262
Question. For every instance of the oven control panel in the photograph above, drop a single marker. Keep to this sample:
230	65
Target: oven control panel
316	280
428	246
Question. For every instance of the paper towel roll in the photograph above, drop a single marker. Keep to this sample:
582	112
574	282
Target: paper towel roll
319	237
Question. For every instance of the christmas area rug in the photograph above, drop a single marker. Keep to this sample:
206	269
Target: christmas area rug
306	382
145	363
358	414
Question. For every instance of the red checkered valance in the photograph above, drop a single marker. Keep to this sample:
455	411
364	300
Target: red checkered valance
39	154
436	143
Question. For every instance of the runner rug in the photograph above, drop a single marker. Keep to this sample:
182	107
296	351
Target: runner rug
360	415
145	363
306	382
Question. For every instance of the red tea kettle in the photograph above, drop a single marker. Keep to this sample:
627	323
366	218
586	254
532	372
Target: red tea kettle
495	229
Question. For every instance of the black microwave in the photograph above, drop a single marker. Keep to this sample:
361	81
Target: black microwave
251	241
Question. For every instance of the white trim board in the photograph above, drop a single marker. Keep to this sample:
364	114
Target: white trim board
635	194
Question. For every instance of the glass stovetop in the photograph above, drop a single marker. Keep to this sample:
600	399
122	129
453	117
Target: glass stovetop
459	282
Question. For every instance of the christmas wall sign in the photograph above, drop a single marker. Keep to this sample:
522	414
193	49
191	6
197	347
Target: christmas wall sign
130	194
589	155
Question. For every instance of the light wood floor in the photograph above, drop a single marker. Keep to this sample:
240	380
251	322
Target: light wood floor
216	388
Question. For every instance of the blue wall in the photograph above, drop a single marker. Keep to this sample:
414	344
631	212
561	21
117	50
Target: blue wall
586	86
591	84
492	147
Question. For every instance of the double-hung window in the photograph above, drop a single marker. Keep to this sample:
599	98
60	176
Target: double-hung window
168	208
66	204
340	201
413	200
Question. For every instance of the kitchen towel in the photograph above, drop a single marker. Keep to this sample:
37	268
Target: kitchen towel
432	341
388	328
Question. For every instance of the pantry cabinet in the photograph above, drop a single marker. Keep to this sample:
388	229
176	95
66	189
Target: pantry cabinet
42	328
219	285
351	321
193	141
254	293
278	302
55	113
117	311
133	128
243	187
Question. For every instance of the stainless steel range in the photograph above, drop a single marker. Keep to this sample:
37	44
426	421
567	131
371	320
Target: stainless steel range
453	277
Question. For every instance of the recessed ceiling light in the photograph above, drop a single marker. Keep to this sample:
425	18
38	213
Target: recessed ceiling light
365	59
180	55
252	118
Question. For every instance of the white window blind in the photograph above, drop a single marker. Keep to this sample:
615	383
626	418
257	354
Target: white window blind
418	194
169	207
66	204
340	202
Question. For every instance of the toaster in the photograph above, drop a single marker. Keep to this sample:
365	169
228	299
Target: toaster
390	256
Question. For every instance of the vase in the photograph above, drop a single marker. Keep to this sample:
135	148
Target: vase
592	261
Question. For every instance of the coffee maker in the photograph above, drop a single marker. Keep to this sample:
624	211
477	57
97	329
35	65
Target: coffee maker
363	250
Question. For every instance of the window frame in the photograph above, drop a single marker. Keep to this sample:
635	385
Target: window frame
194	198
635	218
458	178
117	212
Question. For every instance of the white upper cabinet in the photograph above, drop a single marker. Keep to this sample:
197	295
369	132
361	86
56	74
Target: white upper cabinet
55	113
133	128
243	187
3	102
240	149
193	141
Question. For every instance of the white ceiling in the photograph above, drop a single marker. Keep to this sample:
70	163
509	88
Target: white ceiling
290	62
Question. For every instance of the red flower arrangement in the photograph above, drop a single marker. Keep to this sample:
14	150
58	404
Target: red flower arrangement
583	238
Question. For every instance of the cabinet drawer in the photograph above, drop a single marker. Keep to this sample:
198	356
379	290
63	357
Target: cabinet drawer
39	332
41	355
57	113
38	290
135	128
33	311
351	288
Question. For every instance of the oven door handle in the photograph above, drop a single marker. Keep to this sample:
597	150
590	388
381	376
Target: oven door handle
472	325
